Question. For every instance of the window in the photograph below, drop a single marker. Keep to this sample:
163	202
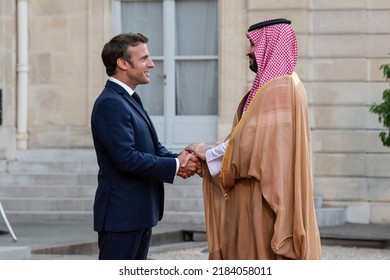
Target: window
183	43
196	57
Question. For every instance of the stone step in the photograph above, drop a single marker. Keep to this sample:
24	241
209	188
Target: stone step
61	178
49	167
331	216
45	216
56	155
3	166
181	217
20	179
184	205
177	213
51	190
3	153
192	181
318	202
61	184
174	217
183	191
325	217
46	191
15	253
46	204
85	203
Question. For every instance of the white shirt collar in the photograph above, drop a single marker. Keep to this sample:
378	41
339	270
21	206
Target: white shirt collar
126	87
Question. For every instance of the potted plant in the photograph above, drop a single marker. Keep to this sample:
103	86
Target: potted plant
383	109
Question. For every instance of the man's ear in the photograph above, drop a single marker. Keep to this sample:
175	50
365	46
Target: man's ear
122	64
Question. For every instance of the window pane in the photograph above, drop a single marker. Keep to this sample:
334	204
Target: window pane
145	17
196	88
152	94
196	27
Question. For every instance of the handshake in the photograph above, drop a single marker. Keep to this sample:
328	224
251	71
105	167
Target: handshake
191	160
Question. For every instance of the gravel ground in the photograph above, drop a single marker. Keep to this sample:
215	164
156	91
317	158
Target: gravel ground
198	251
328	253
354	253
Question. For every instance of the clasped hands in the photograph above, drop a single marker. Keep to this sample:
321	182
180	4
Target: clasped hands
190	160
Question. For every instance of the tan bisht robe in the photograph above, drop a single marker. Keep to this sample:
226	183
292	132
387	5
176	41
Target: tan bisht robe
263	207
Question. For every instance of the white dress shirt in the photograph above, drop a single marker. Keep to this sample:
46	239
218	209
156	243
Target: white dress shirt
214	158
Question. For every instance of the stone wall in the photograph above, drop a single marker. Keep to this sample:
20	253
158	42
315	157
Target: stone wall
349	42
66	73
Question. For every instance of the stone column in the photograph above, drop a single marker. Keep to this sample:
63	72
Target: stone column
232	61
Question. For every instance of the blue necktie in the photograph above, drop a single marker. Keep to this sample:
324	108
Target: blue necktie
138	99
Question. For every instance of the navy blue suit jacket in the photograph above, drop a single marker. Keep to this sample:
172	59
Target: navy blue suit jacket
132	164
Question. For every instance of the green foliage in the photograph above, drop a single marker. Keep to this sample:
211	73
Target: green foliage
383	109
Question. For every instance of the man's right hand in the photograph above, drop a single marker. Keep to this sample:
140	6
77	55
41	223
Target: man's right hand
189	164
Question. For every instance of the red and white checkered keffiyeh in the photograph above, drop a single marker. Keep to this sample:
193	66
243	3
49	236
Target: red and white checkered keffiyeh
276	52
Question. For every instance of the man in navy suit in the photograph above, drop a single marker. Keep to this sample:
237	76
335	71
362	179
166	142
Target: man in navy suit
133	165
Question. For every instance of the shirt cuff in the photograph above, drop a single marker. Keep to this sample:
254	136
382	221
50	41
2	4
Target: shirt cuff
177	166
214	158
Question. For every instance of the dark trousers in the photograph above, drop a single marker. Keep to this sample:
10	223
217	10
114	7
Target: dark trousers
129	245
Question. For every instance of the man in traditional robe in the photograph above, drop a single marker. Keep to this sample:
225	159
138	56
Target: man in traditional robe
257	185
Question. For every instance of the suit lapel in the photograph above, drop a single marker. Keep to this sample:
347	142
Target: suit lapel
145	116
121	91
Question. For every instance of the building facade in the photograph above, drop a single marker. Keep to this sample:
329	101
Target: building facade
51	73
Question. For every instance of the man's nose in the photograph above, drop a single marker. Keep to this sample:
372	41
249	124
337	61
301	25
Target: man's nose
151	64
